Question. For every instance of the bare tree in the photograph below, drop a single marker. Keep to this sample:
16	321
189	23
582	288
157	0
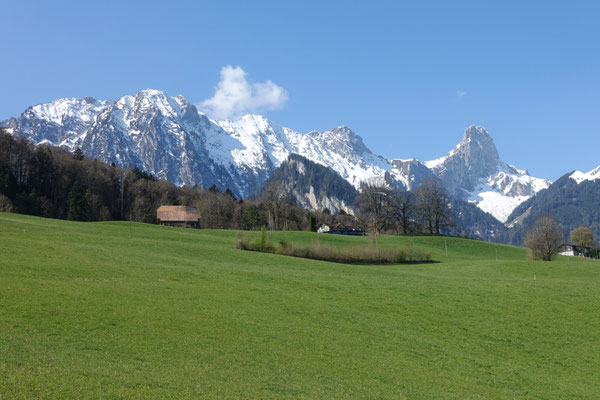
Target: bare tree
277	199
432	205
217	209
401	209
583	237
373	204
544	238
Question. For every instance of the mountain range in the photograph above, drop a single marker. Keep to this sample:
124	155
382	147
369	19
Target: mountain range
169	138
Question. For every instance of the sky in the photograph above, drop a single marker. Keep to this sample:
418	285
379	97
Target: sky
408	77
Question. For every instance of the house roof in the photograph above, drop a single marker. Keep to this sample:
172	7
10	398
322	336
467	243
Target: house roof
177	213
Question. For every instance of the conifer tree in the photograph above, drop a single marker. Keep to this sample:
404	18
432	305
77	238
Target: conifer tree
77	204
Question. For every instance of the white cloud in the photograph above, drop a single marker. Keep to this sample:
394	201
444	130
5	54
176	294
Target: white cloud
235	96
460	94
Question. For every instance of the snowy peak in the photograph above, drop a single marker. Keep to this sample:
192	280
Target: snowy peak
474	158
477	141
60	122
60	111
477	150
473	171
341	140
153	102
580	177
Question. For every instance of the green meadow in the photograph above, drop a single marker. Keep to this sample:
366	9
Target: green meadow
115	310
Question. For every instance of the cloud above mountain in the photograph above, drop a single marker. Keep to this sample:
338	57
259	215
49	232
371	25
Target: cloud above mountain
235	96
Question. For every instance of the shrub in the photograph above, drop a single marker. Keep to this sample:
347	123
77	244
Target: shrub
5	204
346	255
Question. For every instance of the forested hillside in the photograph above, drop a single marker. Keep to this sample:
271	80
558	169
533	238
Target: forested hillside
573	204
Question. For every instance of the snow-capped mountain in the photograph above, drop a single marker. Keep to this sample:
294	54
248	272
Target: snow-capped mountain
580	177
473	171
168	137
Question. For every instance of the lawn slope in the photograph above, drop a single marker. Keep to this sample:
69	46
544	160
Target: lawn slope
119	310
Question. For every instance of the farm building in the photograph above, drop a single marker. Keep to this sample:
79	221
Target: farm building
569	250
339	229
182	216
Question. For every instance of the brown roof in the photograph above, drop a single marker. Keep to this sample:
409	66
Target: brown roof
177	213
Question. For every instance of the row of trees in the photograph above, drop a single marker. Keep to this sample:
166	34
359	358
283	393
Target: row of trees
426	209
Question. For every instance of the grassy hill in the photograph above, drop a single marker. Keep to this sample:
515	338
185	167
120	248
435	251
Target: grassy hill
113	310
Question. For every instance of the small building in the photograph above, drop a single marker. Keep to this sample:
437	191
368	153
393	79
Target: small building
323	229
568	250
181	216
339	229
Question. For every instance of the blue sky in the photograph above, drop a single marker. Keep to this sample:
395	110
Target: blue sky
407	76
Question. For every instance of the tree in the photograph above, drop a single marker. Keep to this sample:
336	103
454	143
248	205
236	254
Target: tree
214	189
217	210
544	238
93	206
312	223
401	208
251	218
77	204
583	238
373	204
229	193
432	205
277	200
78	154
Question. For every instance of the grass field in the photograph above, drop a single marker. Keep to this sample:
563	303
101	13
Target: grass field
113	310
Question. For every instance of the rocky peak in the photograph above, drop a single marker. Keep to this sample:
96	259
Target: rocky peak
341	140
474	158
478	151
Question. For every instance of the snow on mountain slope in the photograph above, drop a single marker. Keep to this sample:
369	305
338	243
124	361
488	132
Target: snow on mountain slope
168	137
267	145
410	173
579	176
60	123
501	193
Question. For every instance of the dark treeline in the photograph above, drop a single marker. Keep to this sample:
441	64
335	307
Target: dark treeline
51	182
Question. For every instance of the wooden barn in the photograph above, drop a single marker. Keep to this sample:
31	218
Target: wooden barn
181	216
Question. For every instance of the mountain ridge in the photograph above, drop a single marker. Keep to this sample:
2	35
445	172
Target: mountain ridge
169	137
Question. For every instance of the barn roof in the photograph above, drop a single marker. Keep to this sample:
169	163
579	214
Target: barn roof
177	213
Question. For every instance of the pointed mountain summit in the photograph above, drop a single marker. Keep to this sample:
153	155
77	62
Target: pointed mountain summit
473	171
473	158
478	151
